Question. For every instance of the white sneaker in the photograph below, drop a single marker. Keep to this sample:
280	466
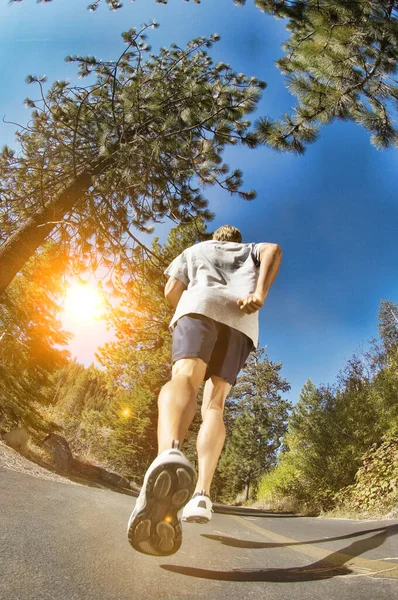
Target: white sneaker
198	509
155	524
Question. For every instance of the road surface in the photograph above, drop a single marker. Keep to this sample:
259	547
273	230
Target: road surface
68	542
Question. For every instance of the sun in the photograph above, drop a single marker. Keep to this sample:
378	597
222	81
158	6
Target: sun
83	303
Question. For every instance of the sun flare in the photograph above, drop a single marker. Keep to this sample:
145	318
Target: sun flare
84	303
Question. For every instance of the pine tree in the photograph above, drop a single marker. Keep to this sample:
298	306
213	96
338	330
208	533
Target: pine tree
138	363
340	62
332	427
110	415
388	325
30	337
256	416
75	388
128	150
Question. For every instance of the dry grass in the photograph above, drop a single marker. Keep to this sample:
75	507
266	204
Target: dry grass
33	461
285	505
342	512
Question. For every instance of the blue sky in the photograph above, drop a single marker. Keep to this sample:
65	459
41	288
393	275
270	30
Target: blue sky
334	211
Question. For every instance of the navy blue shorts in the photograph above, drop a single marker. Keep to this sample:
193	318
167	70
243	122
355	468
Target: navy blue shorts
222	348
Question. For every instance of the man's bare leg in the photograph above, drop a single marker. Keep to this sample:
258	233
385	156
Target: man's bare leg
211	435
177	401
154	526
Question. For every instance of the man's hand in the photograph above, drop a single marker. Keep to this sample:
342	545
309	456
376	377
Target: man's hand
270	260
251	304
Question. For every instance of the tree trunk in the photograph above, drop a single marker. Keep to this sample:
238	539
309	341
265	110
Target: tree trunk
17	250
247	490
390	8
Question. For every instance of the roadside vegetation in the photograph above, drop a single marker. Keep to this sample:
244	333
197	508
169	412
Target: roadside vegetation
334	451
99	164
340	450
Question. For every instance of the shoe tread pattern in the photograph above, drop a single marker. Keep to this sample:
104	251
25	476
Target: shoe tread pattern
168	489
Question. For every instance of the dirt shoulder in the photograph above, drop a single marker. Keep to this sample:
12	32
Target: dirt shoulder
32	461
10	459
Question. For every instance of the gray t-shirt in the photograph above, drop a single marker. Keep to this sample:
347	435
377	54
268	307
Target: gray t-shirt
218	274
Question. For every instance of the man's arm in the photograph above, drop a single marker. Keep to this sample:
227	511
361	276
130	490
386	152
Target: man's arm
173	291
270	260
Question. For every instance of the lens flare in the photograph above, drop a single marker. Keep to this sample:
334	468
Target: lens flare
83	303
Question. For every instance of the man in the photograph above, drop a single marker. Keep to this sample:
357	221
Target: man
217	288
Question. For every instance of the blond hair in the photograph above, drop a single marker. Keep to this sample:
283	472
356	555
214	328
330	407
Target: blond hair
227	233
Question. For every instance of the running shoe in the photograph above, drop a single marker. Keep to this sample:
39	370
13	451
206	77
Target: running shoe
198	509
155	524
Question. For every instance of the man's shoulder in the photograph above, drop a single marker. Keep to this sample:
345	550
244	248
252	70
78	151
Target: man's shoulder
199	246
221	244
227	246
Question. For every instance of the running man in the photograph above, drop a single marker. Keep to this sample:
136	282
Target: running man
217	288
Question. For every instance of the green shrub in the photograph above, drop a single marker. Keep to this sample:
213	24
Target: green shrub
376	482
283	489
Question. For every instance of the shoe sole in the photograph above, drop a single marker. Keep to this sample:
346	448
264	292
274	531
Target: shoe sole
156	528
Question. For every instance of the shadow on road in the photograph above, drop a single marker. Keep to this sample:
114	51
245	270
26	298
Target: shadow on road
243	511
332	566
236	543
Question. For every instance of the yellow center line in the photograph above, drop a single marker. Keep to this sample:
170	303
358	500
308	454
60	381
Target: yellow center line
367	566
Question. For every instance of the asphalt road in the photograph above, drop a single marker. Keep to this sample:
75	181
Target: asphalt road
68	542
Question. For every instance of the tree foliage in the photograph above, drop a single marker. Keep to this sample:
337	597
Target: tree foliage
101	423
112	4
30	332
75	388
256	417
111	415
340	62
388	325
130	149
331	428
376	481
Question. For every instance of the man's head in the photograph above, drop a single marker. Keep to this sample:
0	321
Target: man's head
227	233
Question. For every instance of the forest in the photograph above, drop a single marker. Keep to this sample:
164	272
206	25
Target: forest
137	141
305	457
